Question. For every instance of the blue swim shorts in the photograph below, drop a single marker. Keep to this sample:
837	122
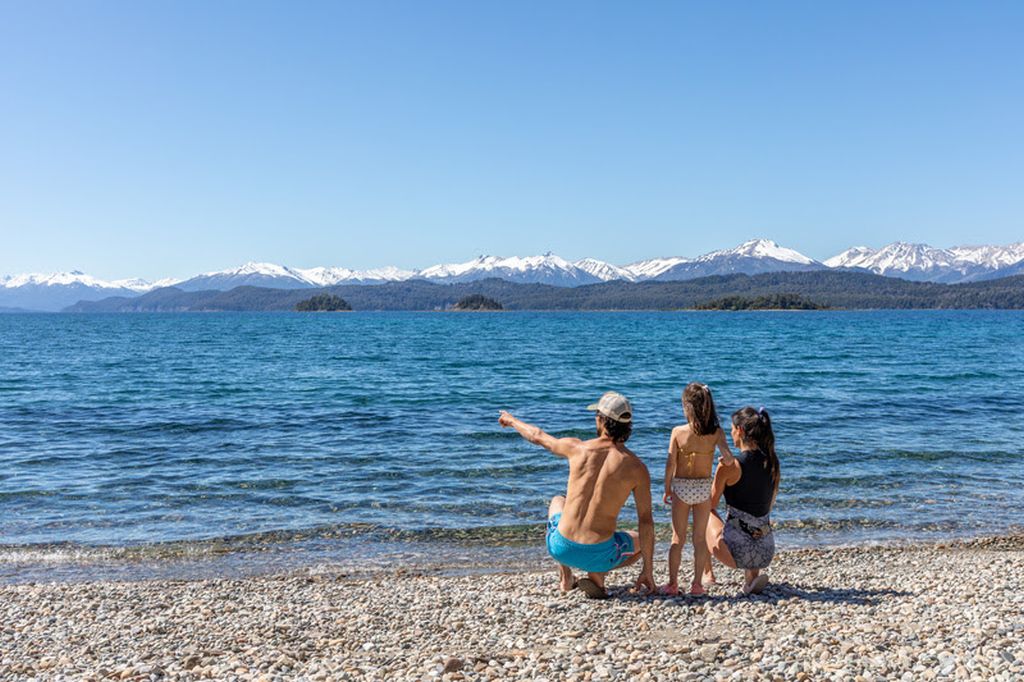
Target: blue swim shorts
596	558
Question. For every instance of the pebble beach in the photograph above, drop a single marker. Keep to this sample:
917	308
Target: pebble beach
920	612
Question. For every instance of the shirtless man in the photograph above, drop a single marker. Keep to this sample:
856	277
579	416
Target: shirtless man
602	475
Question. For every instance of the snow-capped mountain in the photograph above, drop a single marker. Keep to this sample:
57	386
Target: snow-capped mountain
326	277
853	257
54	291
922	262
606	272
651	268
275	276
994	257
251	274
546	269
750	258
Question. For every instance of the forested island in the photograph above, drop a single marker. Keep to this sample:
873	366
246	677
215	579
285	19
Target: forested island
832	289
323	303
773	302
477	302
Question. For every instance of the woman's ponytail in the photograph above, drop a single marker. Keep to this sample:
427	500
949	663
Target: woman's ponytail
757	430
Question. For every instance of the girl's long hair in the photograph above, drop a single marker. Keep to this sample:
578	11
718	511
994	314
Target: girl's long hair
699	407
757	430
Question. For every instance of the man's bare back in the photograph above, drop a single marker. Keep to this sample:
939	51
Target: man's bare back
602	476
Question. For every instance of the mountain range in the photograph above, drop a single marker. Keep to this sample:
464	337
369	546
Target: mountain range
917	262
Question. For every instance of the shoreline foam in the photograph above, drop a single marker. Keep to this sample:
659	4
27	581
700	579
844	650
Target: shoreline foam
364	550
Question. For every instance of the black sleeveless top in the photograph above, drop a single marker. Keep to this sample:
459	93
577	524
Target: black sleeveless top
753	492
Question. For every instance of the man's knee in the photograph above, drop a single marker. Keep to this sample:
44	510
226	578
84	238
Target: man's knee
556	505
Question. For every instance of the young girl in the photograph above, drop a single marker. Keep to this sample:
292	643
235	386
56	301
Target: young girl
691	454
745	539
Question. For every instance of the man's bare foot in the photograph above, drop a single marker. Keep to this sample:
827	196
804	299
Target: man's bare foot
592	589
696	589
566	580
670	589
708	579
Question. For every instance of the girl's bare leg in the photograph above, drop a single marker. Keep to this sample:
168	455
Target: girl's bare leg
701	555
680	518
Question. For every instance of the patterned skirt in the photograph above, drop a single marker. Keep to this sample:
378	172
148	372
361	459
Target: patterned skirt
749	538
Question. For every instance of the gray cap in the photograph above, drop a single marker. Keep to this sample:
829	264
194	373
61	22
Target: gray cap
614	406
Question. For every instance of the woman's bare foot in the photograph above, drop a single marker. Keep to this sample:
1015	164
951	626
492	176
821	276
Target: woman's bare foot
669	589
757	585
696	589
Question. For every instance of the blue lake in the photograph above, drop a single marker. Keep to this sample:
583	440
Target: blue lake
124	430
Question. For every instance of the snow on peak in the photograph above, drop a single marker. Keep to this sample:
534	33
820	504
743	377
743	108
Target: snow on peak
256	268
329	276
904	256
486	264
761	248
445	270
651	268
606	272
57	279
853	257
994	257
141	285
921	261
546	269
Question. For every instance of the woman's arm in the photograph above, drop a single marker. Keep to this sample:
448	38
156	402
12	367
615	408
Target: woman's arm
670	468
724	477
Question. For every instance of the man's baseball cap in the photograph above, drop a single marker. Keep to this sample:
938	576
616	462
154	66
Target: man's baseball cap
614	406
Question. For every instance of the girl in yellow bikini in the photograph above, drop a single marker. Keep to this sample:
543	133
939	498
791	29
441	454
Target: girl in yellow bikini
691	455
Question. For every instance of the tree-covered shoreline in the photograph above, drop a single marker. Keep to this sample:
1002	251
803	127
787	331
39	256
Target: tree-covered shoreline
831	289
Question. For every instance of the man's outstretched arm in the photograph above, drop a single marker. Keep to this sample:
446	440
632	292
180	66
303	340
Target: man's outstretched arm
645	526
563	447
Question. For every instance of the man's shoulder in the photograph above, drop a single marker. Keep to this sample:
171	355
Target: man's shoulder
632	460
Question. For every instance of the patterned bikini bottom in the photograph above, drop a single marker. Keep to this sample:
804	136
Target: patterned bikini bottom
692	490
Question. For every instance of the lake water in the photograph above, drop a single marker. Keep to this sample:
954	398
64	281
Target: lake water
374	435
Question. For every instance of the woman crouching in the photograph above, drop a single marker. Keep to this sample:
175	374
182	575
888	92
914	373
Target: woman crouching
745	540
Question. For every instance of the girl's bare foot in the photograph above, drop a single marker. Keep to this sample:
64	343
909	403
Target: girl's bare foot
670	589
696	589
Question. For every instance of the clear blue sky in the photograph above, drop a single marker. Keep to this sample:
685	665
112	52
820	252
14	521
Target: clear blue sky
166	138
